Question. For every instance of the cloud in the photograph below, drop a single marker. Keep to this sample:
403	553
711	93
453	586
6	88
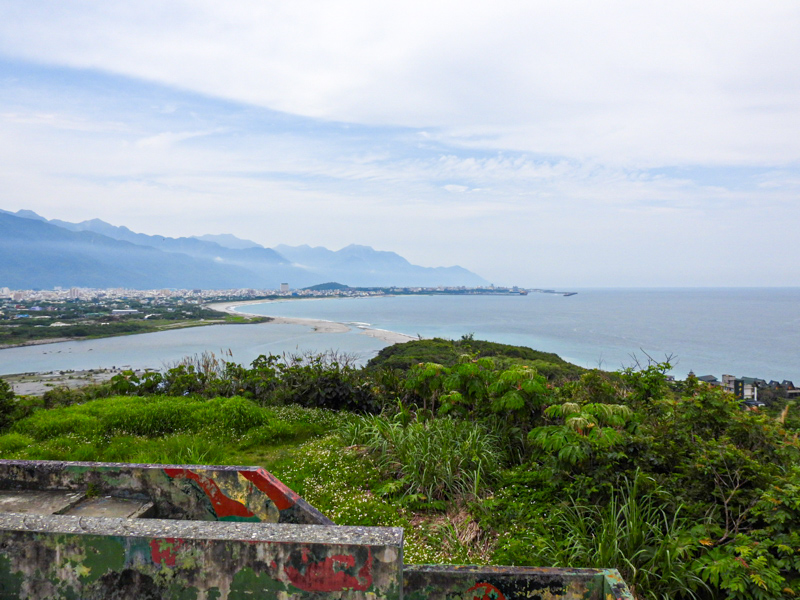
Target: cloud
546	143
641	84
166	139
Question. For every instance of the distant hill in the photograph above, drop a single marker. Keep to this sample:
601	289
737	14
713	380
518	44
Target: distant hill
327	287
59	253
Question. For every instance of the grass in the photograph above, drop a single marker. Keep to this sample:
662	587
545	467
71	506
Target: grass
439	459
163	430
634	532
294	443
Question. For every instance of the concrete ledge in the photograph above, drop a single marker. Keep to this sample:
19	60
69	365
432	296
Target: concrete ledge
191	492
60	556
444	582
212	530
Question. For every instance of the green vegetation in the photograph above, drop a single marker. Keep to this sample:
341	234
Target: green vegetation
27	322
449	352
484	453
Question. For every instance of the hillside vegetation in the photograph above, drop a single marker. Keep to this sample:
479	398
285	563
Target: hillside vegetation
488	454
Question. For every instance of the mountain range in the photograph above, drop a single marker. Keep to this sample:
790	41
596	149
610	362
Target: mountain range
37	253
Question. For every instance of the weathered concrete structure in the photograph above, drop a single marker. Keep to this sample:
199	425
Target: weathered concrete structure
445	582
100	530
195	493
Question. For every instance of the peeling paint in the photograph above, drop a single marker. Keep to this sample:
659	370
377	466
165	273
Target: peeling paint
223	507
165	551
313	571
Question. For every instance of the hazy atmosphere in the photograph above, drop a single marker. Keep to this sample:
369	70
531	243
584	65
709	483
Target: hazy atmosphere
537	144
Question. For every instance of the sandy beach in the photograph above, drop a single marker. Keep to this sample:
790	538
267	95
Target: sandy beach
36	384
317	325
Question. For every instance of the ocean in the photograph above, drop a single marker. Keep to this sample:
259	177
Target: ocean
753	332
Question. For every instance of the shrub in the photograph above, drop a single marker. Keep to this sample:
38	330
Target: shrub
7	404
434	460
638	533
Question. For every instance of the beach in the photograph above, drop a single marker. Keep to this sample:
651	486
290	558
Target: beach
316	325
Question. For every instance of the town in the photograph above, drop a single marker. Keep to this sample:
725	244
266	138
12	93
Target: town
752	391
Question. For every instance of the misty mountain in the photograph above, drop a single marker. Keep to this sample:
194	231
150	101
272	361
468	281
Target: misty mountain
227	240
59	253
37	254
185	245
363	266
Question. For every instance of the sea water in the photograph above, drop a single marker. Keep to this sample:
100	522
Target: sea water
744	332
751	332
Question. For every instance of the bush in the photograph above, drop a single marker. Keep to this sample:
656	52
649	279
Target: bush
7	404
439	459
639	533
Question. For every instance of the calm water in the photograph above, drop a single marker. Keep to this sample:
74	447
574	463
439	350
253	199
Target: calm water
157	350
744	332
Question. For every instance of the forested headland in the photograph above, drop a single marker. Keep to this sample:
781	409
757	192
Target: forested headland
484	453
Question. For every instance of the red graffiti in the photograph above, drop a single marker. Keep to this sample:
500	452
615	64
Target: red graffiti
485	591
331	574
222	505
280	495
165	550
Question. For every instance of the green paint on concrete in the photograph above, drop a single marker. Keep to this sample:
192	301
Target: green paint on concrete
252	519
103	554
180	592
247	585
213	594
10	581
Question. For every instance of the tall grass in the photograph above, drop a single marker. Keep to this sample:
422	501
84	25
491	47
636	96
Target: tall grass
160	429
437	459
635	532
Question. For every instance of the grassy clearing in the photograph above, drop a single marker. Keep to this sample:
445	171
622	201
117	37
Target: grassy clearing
294	443
162	429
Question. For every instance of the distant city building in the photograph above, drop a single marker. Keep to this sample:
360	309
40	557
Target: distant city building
284	287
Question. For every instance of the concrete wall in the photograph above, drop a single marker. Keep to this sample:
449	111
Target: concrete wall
177	491
49	557
443	582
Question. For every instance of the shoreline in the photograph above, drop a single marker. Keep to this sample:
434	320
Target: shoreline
38	342
38	383
317	325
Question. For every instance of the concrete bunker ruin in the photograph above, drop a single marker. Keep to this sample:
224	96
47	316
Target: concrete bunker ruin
119	531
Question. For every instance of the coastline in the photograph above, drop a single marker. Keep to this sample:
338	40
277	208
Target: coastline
37	383
317	325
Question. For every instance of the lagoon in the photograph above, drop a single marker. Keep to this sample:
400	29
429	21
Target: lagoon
163	349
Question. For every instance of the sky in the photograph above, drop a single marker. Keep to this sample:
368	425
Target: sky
537	143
